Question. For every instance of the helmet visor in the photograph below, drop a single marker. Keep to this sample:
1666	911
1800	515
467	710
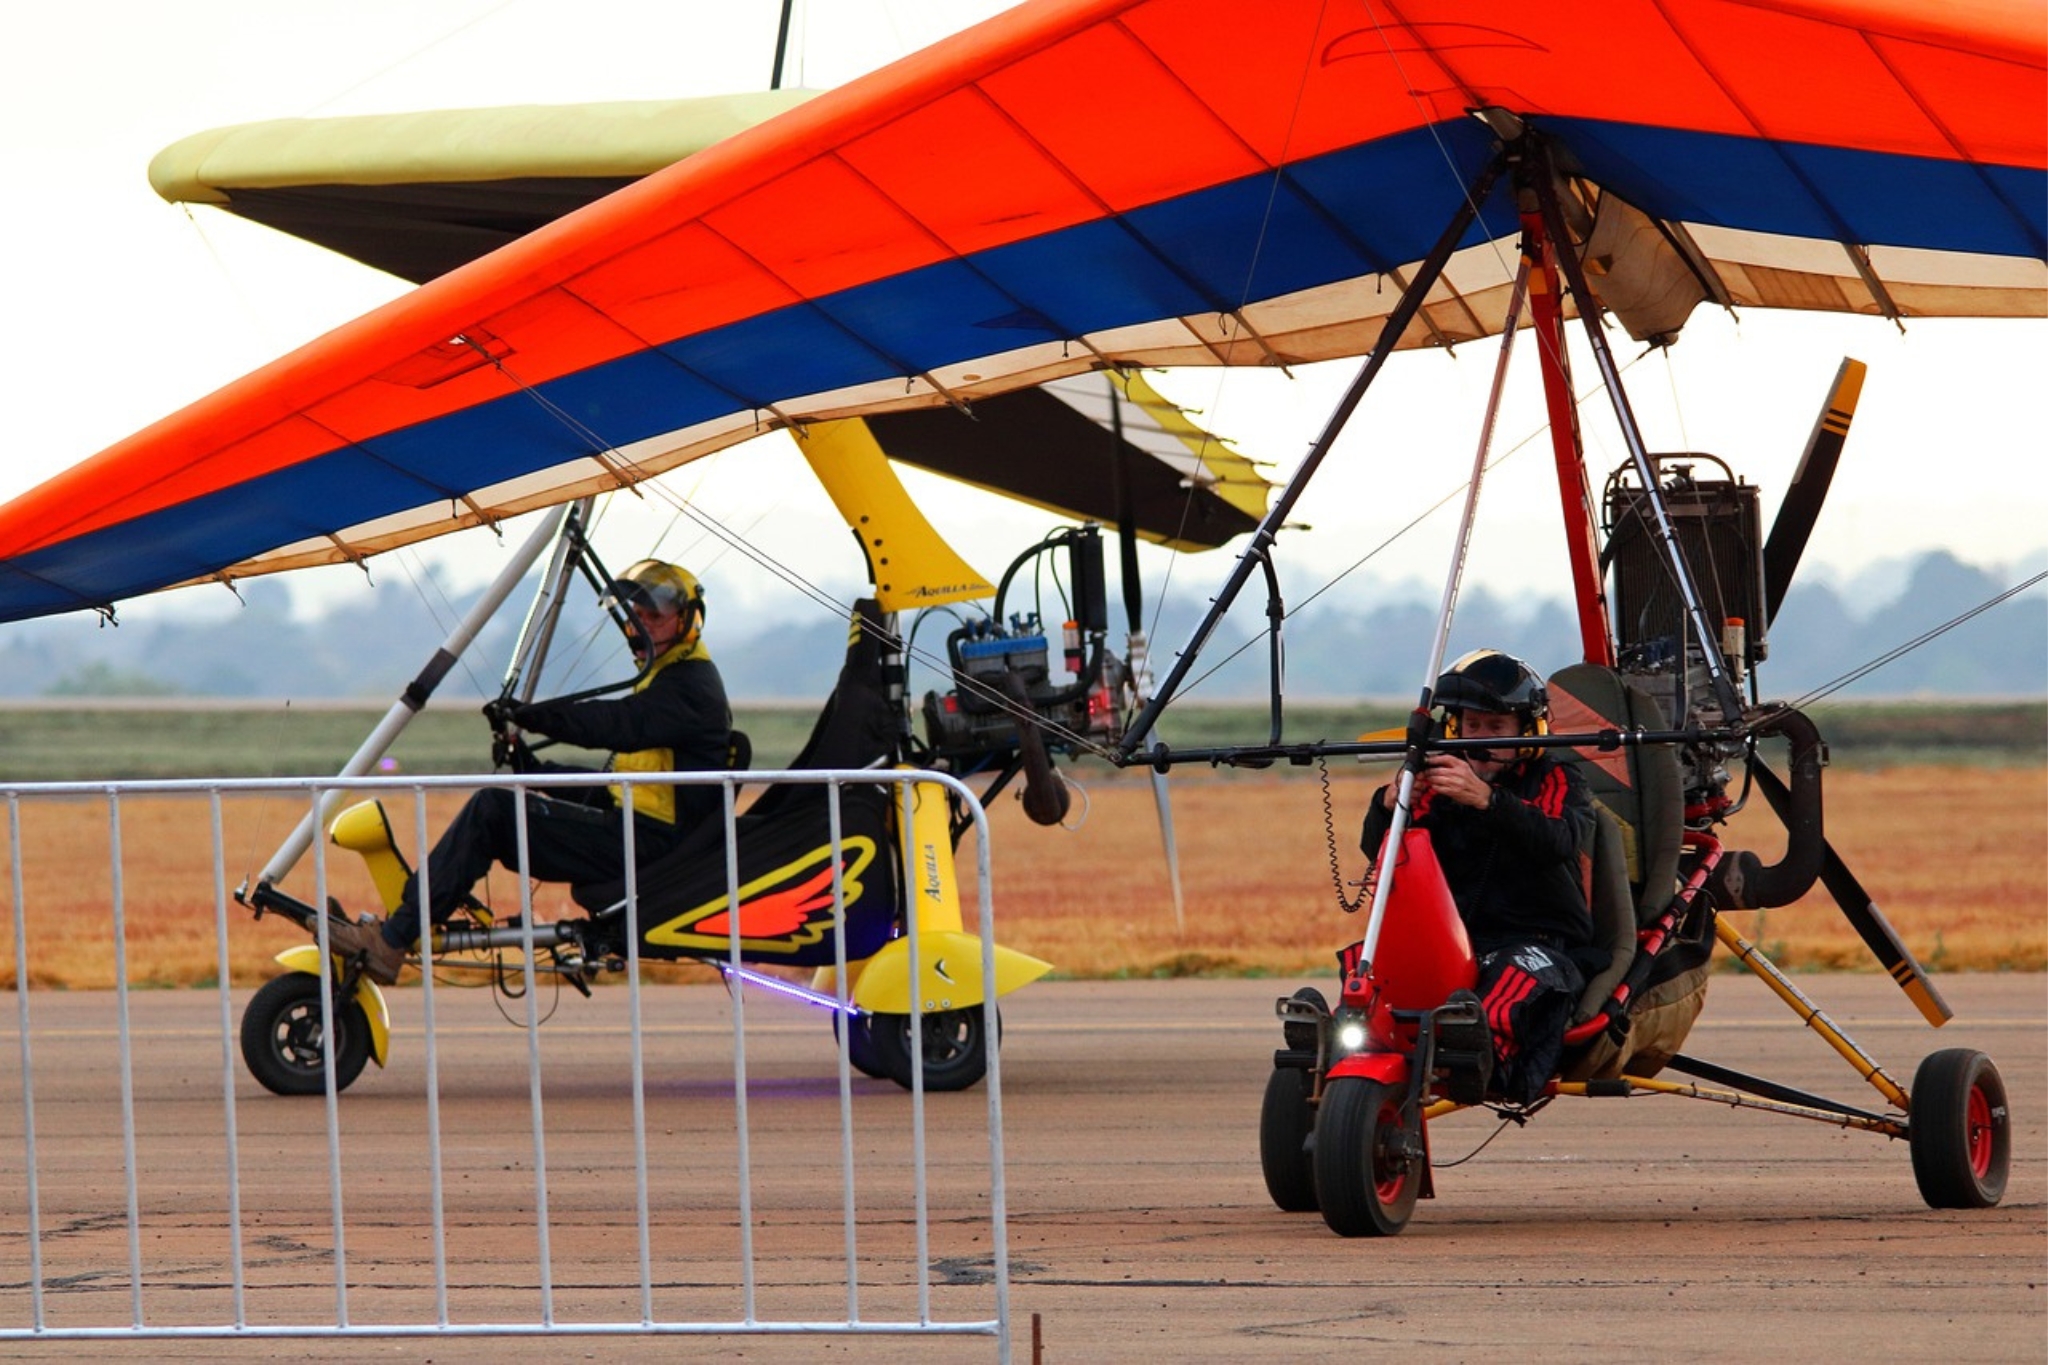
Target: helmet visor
648	586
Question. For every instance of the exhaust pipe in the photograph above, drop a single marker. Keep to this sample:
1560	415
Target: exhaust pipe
1046	799
1743	881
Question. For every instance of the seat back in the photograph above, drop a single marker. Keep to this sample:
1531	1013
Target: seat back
784	842
1641	787
1613	903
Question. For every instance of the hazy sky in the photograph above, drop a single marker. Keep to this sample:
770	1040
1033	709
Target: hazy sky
123	308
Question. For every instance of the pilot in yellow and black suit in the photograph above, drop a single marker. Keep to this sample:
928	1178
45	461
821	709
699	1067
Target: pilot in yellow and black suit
675	719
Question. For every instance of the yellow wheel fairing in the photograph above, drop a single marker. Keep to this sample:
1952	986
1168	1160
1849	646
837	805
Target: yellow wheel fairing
365	829
783	911
949	971
306	958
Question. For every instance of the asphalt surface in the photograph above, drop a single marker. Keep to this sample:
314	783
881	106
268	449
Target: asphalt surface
1138	1224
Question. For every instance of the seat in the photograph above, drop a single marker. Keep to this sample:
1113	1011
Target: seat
786	833
1639	794
1642	788
1613	904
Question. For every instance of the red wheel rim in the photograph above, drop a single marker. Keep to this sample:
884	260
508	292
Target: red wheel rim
1978	1136
1389	1170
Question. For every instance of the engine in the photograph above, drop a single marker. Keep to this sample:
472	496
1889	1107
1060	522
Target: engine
1002	670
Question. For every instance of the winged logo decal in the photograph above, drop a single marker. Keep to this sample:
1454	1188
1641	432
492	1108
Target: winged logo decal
784	911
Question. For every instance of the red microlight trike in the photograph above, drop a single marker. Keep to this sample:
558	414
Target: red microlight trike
1676	588
1344	1124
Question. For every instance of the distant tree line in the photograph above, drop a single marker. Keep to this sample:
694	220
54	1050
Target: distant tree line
370	649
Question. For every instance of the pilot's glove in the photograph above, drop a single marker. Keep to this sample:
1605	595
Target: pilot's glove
539	715
501	712
508	750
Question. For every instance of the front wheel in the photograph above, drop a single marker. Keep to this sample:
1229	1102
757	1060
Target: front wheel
1960	1130
1368	1165
955	1047
281	1037
1287	1125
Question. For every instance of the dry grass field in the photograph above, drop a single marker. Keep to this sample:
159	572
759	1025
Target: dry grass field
1954	855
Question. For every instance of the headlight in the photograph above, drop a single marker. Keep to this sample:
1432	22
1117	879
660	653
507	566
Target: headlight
1350	1034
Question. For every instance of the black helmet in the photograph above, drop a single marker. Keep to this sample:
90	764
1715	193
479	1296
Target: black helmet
1488	680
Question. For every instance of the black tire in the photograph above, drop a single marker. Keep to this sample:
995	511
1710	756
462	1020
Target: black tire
281	1031
1368	1168
955	1048
860	1045
1960	1130
1303	1036
1287	1124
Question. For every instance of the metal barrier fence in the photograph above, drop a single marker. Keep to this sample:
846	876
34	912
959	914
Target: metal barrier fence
214	1225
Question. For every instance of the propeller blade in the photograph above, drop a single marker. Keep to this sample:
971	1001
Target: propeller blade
1134	620
1801	508
1863	915
1164	805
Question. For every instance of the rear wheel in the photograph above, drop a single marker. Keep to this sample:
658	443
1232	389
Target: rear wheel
860	1044
281	1037
1287	1125
1960	1130
955	1047
1368	1166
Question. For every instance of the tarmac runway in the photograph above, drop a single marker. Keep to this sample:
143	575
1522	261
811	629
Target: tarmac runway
1138	1224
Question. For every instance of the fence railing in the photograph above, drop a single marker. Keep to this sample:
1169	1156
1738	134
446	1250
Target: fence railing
158	1193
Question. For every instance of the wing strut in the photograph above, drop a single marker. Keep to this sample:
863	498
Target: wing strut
1567	448
414	698
1539	174
1269	529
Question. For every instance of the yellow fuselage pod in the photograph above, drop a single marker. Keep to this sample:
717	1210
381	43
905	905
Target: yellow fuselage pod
306	958
910	562
364	829
949	967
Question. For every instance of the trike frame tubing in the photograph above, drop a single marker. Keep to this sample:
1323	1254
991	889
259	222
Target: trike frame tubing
1629	1086
1752	957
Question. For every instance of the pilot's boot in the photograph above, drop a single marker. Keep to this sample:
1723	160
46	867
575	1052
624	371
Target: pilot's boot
1464	1048
382	961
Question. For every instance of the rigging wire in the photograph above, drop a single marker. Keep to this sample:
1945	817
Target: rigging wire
1677	405
1398	533
1243	298
1492	244
1429	121
635	478
1925	637
442	611
417	52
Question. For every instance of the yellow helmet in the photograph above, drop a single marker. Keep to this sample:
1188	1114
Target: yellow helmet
657	587
654	586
